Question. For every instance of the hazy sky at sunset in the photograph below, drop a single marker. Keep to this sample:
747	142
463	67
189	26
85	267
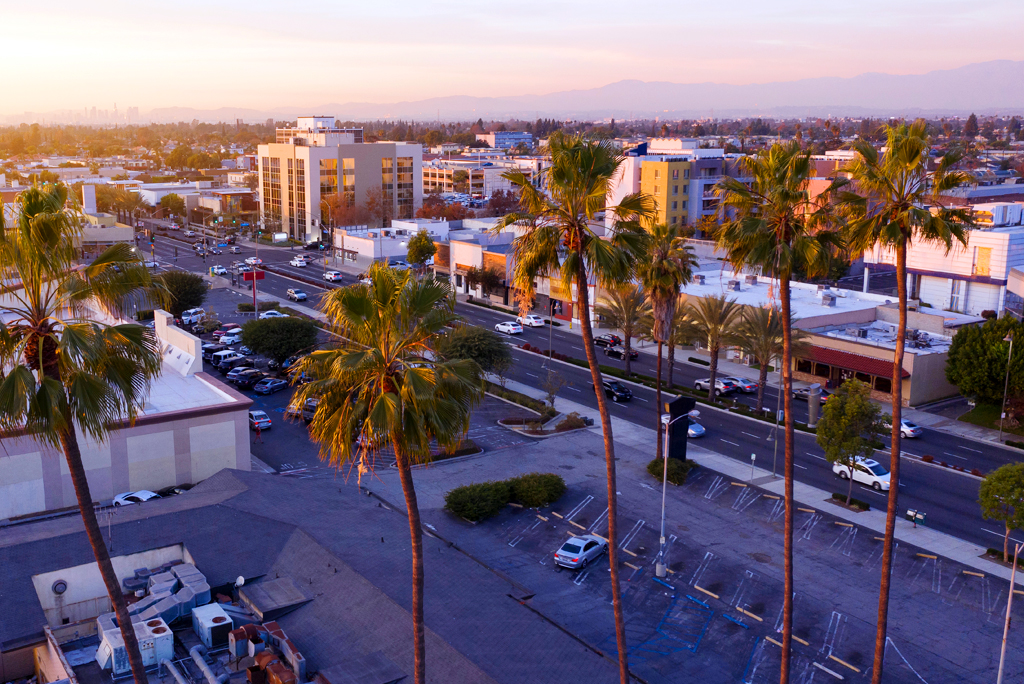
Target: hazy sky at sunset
65	54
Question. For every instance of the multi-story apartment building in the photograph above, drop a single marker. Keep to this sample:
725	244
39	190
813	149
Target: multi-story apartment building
506	140
314	161
478	177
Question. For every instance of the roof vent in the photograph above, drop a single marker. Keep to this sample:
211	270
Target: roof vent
699	279
750	279
734	285
828	299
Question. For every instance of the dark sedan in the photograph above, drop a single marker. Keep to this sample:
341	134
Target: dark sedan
248	379
616	391
619	353
607	340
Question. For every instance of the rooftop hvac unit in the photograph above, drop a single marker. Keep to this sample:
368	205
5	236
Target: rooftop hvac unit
212	625
699	278
734	285
156	643
828	299
750	279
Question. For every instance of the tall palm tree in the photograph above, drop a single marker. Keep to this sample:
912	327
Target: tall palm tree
760	335
555	236
386	389
623	309
897	202
133	205
669	266
714	320
681	334
64	371
779	228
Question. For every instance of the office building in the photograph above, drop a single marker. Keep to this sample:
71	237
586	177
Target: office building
506	140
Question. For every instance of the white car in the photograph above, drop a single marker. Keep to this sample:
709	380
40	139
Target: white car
254	261
173	226
866	472
332	276
532	320
152	264
192	316
189	233
399	265
299	262
135	497
578	552
908	429
219	270
272	314
722	386
231	338
509	328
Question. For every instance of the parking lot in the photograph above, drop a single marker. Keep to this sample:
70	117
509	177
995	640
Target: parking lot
717	616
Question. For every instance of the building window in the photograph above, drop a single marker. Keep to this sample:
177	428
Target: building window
883	385
656	189
686	189
674	220
348	182
956	293
983	261
300	192
657	174
675	205
686	174
404	192
271	188
822	370
675	174
684	205
675	189
804	366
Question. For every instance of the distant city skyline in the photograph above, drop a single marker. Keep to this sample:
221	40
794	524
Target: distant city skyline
226	53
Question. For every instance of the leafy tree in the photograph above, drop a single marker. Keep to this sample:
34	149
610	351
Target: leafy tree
389	389
178	158
976	363
1001	496
421	249
279	338
173	204
185	290
487	279
851	426
971	127
379	206
502	202
555	239
899	202
715	320
482	345
65	370
623	309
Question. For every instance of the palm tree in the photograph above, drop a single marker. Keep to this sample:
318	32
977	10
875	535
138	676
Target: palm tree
681	334
669	266
386	389
714	320
778	227
63	370
901	202
623	309
760	336
133	205
555	237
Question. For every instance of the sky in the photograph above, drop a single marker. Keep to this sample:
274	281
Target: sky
68	54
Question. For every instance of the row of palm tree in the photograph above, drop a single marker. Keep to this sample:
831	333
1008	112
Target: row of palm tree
128	206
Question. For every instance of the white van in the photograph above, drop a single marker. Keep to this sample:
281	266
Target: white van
192	316
221	355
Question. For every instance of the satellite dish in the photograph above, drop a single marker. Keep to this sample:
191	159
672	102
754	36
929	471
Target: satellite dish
239	582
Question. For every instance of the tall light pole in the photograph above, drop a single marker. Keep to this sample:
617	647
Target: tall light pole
1006	384
1009	604
660	568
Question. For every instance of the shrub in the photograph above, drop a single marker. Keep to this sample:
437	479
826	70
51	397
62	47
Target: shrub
927	459
477	502
573	421
1018	445
856	503
678	470
264	306
536	490
976	472
998	555
989	314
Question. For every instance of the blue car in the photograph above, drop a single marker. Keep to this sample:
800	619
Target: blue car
269	385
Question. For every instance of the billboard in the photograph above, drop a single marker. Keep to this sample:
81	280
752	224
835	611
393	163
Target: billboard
280	237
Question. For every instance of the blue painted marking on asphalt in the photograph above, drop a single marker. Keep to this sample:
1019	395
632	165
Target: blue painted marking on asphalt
661	581
698	601
730	618
750	660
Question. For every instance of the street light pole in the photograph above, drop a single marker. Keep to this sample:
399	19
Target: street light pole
1009	604
1006	384
660	568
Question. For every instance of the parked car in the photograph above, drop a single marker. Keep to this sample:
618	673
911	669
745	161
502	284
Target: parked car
259	419
135	497
607	340
232	330
242	349
297	295
866	472
231	338
316	245
174	490
269	385
272	314
219	270
618	352
249	378
235	249
233	361
578	552
399	265
509	328
616	391
235	372
192	316
210	349
189	233
743	385
532	320
254	261
299	262
803	393
694	429
332	276
309	409
722	386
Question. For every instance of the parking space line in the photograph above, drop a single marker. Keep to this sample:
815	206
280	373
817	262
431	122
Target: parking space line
600	519
831	672
555	514
631	534
749	614
702	589
843	662
976	574
580	578
579	507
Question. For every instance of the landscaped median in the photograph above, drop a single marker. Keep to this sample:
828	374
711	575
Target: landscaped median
535	428
484	500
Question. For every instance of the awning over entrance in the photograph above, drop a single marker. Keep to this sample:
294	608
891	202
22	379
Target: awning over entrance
849	361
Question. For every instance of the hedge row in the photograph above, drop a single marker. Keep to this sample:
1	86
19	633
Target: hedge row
545	411
484	500
264	306
856	503
678	470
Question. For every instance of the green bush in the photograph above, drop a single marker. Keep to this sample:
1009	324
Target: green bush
264	306
536	490
856	503
477	502
573	421
545	411
678	470
1018	445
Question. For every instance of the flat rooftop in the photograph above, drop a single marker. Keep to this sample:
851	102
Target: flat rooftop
883	335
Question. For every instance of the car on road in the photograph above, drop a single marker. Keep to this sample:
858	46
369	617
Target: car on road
235	249
619	352
532	320
578	552
315	245
744	385
173	226
254	261
607	340
259	419
243	268
509	328
309	409
803	393
399	265
135	497
249	378
152	264
189	233
299	262
272	314
219	270
908	429
616	391
866	471
332	276
216	250
269	385
722	386
297	295
694	430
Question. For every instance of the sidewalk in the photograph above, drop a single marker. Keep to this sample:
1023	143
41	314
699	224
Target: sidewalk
927	539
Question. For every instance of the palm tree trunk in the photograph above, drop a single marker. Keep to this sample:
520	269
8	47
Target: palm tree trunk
761	380
609	457
629	366
671	361
416	537
73	456
713	373
787	391
657	393
894	466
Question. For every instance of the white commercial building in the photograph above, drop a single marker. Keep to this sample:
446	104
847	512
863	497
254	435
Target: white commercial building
506	140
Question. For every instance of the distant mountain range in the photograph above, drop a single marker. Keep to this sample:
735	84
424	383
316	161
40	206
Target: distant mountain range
995	87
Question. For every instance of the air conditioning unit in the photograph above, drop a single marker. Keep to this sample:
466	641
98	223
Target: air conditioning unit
828	299
699	278
212	625
750	279
734	285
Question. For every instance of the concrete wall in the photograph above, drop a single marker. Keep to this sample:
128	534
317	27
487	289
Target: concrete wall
187	356
928	379
51	666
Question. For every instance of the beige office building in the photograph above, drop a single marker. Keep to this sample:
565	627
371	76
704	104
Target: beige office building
313	161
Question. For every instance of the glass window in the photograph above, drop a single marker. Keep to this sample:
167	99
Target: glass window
675	205
883	385
571	548
674	220
675	174
675	189
656	189
822	370
982	261
804	366
657	174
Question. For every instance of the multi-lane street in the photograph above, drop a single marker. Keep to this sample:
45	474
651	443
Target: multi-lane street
948	498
